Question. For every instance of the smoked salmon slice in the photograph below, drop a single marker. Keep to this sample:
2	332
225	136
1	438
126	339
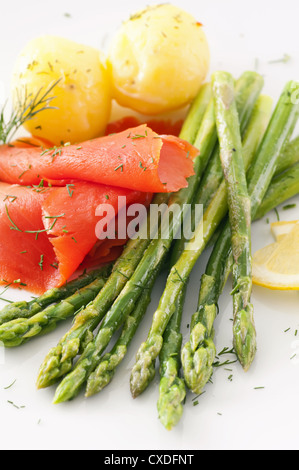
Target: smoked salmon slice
46	232
136	158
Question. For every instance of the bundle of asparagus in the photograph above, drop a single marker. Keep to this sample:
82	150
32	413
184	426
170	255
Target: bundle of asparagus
246	167
270	159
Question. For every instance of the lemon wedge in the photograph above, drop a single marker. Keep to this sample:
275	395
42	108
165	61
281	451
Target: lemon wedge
276	266
282	228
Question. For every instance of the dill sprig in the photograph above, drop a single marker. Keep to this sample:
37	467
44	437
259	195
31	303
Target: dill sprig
27	107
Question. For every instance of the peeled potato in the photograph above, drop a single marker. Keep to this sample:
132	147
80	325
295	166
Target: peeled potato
82	96
158	60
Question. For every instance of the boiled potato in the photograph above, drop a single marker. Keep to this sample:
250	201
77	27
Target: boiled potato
158	60
82	96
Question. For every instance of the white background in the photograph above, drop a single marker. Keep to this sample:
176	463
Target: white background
232	414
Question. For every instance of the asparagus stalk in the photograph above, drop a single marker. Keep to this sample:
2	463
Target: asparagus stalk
221	260
20	330
151	262
288	157
172	390
196	113
178	277
25	309
283	187
60	359
285	183
247	89
274	145
239	215
104	372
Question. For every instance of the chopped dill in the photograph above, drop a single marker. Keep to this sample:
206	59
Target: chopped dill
11	385
41	263
289	206
283	60
14	405
144	168
71	192
120	167
13	198
25	171
13	227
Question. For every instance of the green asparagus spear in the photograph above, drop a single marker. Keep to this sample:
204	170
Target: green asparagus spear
172	390
239	215
247	90
196	113
274	145
288	157
105	370
283	187
221	260
285	183
60	359
25	309
178	277
19	331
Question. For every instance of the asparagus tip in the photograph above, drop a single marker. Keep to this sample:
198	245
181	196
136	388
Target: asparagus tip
70	386
140	379
198	365
245	337
170	403
144	371
96	384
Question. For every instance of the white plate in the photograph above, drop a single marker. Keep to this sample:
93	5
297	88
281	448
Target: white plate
235	412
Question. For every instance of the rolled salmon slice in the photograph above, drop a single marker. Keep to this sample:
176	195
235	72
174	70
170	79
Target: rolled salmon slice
137	159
